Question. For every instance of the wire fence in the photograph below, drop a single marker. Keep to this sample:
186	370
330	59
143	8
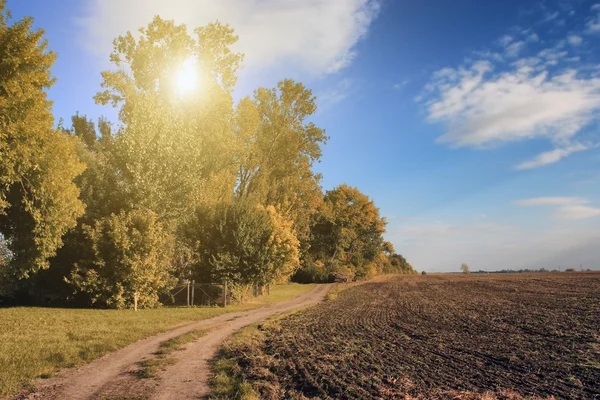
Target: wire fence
191	293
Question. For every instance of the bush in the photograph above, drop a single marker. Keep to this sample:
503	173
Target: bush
242	243
132	254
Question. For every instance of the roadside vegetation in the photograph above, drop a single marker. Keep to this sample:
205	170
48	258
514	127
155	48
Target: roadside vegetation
437	336
37	342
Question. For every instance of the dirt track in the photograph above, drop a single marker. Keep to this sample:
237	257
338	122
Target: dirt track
112	375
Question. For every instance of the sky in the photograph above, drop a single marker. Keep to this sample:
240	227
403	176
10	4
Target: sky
473	125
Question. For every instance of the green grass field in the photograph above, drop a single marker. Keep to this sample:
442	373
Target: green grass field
37	342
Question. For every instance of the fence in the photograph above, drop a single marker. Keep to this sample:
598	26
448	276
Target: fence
191	293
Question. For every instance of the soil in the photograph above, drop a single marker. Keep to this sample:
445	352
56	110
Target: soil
114	376
438	336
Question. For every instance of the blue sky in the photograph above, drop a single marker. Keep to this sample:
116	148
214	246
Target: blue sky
472	124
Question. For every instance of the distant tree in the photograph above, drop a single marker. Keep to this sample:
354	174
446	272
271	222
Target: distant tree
465	268
570	270
38	199
423	273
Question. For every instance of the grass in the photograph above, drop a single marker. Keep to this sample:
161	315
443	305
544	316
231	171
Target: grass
150	367
37	342
176	343
225	381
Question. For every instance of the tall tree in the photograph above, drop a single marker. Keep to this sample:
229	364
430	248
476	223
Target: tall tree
38	200
172	143
278	147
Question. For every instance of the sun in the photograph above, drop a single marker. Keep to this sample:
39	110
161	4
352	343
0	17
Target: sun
186	78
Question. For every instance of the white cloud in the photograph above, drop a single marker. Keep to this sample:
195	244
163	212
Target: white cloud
574	40
505	40
595	6
400	85
567	208
314	36
329	97
551	156
550	17
593	25
524	103
486	103
533	38
513	49
551	201
576	212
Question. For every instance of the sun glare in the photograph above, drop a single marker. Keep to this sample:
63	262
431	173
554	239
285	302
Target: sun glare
187	78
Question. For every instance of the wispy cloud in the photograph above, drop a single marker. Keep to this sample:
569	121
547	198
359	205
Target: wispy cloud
576	212
551	156
550	16
551	201
533	37
315	37
593	24
487	102
575	40
513	49
335	94
505	40
400	85
566	208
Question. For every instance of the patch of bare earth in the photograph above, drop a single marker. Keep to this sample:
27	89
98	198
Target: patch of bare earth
525	336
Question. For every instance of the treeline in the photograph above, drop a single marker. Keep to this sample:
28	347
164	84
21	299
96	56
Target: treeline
185	186
526	270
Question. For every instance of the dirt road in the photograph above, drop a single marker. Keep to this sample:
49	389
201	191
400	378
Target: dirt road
112	376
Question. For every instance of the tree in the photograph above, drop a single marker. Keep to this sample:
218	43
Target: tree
277	149
38	199
465	268
172	150
131	255
347	232
242	243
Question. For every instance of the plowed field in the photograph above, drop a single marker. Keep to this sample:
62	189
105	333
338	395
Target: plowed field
438	336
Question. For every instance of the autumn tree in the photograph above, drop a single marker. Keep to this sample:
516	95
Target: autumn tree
347	232
242	243
172	143
38	199
131	256
277	148
465	268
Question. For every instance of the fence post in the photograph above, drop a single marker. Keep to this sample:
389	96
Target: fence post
193	286
225	294
135	300
188	293
268	290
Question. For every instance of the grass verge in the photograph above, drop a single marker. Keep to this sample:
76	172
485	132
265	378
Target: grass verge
149	368
37	342
247	343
